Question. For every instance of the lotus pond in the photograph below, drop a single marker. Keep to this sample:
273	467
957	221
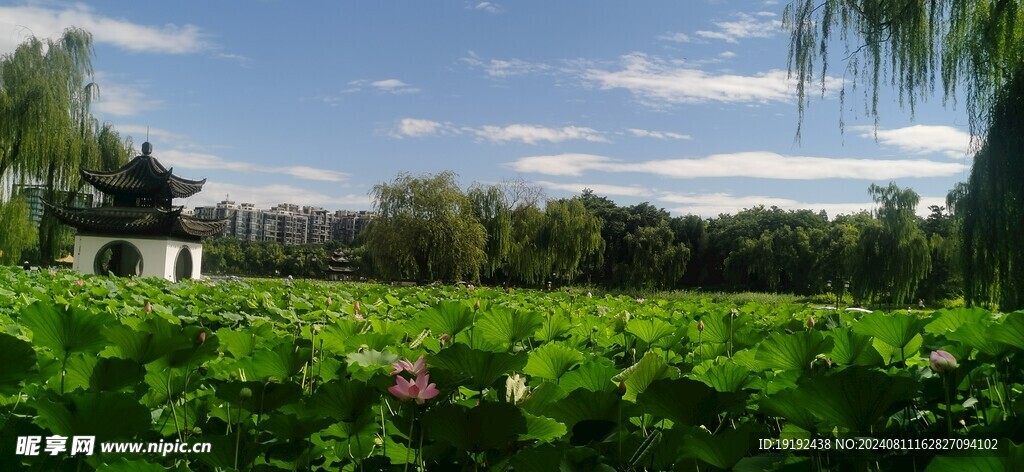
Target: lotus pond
317	376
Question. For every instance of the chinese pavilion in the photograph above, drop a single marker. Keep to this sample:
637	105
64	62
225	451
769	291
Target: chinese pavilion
142	234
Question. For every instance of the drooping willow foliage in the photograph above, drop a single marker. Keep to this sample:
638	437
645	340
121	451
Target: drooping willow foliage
47	132
992	210
973	48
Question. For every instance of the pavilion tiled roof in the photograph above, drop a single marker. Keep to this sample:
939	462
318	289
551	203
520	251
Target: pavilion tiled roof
143	175
137	221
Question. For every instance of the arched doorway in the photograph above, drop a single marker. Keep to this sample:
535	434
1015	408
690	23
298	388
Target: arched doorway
120	258
183	264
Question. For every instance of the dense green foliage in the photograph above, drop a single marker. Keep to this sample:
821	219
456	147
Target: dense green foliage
46	130
970	47
300	377
19	233
264	258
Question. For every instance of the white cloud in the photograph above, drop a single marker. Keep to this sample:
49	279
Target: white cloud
489	7
532	134
656	82
643	133
727	55
714	204
139	134
525	133
269	195
16	23
418	128
196	160
393	86
676	37
745	26
599	189
122	100
500	69
757	164
922	139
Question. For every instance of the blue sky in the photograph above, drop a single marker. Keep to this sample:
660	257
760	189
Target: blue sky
684	104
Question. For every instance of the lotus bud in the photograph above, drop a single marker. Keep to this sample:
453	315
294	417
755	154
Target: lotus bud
622	388
590	295
245	393
942	361
330	301
201	338
700	326
477	305
810	322
445	338
148	308
734	312
355	307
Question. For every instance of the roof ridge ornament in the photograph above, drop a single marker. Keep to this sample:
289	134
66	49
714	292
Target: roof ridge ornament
147	148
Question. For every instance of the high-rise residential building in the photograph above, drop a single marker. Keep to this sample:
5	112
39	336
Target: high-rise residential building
35	194
287	223
347	224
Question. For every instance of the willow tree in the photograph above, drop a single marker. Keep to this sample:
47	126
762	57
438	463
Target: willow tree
18	233
572	234
425	229
969	47
892	255
47	132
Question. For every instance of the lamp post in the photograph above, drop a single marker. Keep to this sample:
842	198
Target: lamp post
829	285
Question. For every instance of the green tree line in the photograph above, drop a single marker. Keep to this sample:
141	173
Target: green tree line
429	229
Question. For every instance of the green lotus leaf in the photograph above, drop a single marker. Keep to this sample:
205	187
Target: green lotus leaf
687	402
552	361
66	329
542	429
725	449
1011	330
855	398
242	344
553	327
638	376
113	374
542	457
582	405
488	426
980	336
475	368
787	404
945	321
850	348
967	464
148	341
892	354
344	400
650	331
792	351
448	317
262	396
106	415
716	329
594	375
17	363
723	376
896	330
280	362
506	326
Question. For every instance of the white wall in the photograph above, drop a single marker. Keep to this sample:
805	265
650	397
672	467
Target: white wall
158	254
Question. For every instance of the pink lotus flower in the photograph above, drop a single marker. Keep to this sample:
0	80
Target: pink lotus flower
417	368
211	284
358	317
420	389
942	361
79	282
330	301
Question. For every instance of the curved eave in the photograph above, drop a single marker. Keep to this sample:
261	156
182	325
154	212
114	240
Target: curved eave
145	175
199	227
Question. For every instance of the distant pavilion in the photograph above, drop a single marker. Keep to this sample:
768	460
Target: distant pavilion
142	234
